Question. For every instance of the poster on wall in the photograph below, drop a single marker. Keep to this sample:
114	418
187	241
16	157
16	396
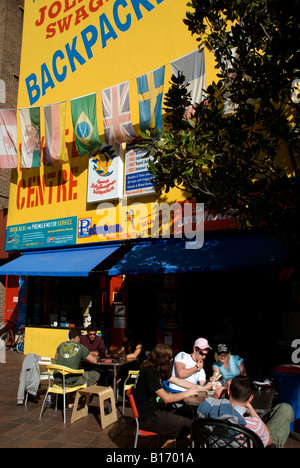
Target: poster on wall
50	233
119	316
137	176
105	174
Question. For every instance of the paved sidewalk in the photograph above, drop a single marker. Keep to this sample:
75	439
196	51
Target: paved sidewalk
20	426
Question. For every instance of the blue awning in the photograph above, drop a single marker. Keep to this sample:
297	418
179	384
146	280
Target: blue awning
66	262
219	253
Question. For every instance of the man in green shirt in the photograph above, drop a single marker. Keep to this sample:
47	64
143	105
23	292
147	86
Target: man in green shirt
70	354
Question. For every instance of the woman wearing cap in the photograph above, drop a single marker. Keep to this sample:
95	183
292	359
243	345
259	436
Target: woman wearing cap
190	367
229	366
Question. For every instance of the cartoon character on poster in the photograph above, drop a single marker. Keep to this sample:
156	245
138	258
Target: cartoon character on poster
105	179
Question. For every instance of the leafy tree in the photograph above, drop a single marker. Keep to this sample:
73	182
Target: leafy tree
246	162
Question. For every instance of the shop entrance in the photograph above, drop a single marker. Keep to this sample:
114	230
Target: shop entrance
142	306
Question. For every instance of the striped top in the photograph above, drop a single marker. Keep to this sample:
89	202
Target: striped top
256	425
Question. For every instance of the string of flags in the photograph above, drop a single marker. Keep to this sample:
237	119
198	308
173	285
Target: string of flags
117	123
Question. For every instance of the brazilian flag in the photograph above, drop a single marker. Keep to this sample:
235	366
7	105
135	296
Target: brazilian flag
84	117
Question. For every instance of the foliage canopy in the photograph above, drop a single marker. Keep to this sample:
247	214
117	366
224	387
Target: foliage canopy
244	162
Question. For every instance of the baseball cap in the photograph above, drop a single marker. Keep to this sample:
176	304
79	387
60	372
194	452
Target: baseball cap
222	348
201	343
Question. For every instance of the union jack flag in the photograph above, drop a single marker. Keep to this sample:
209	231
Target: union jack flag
116	114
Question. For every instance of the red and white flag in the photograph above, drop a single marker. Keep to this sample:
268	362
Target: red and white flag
8	139
116	114
31	139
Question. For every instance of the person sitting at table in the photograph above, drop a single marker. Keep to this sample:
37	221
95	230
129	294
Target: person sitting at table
130	348
133	351
190	367
228	365
273	427
93	342
152	417
70	354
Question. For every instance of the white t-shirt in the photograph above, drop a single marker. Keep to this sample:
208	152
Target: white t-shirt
189	363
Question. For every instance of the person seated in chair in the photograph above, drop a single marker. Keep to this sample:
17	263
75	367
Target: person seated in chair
190	367
70	354
152	417
273	427
93	342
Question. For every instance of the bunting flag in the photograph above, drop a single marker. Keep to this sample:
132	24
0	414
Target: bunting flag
85	127
150	90
116	115
31	139
8	139
55	122
193	68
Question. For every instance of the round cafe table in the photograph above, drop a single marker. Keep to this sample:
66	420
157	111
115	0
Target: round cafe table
195	400
262	401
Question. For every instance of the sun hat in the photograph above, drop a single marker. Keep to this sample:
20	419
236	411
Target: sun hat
201	343
222	348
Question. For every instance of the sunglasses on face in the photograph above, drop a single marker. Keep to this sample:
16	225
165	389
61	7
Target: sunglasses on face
203	354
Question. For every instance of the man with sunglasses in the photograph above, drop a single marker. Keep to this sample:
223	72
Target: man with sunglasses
191	366
93	342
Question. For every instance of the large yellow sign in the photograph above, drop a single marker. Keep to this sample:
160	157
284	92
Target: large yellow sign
76	47
73	48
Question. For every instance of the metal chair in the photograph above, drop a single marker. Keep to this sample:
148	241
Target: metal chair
132	374
60	389
216	433
138	431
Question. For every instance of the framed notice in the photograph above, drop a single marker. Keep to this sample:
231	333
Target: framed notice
137	176
105	175
118	298
119	316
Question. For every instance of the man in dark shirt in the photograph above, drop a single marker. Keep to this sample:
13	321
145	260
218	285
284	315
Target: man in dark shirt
93	342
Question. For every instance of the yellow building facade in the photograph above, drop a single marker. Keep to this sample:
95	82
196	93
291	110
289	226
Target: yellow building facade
71	222
74	48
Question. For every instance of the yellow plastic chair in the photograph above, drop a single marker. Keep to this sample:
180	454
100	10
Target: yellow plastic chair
132	374
60	389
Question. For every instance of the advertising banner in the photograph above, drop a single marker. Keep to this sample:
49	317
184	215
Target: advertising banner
137	176
105	176
51	233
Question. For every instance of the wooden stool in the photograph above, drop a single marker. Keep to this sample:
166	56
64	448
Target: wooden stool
104	393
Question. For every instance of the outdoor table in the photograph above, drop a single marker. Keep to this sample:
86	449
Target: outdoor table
195	400
262	401
113	364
